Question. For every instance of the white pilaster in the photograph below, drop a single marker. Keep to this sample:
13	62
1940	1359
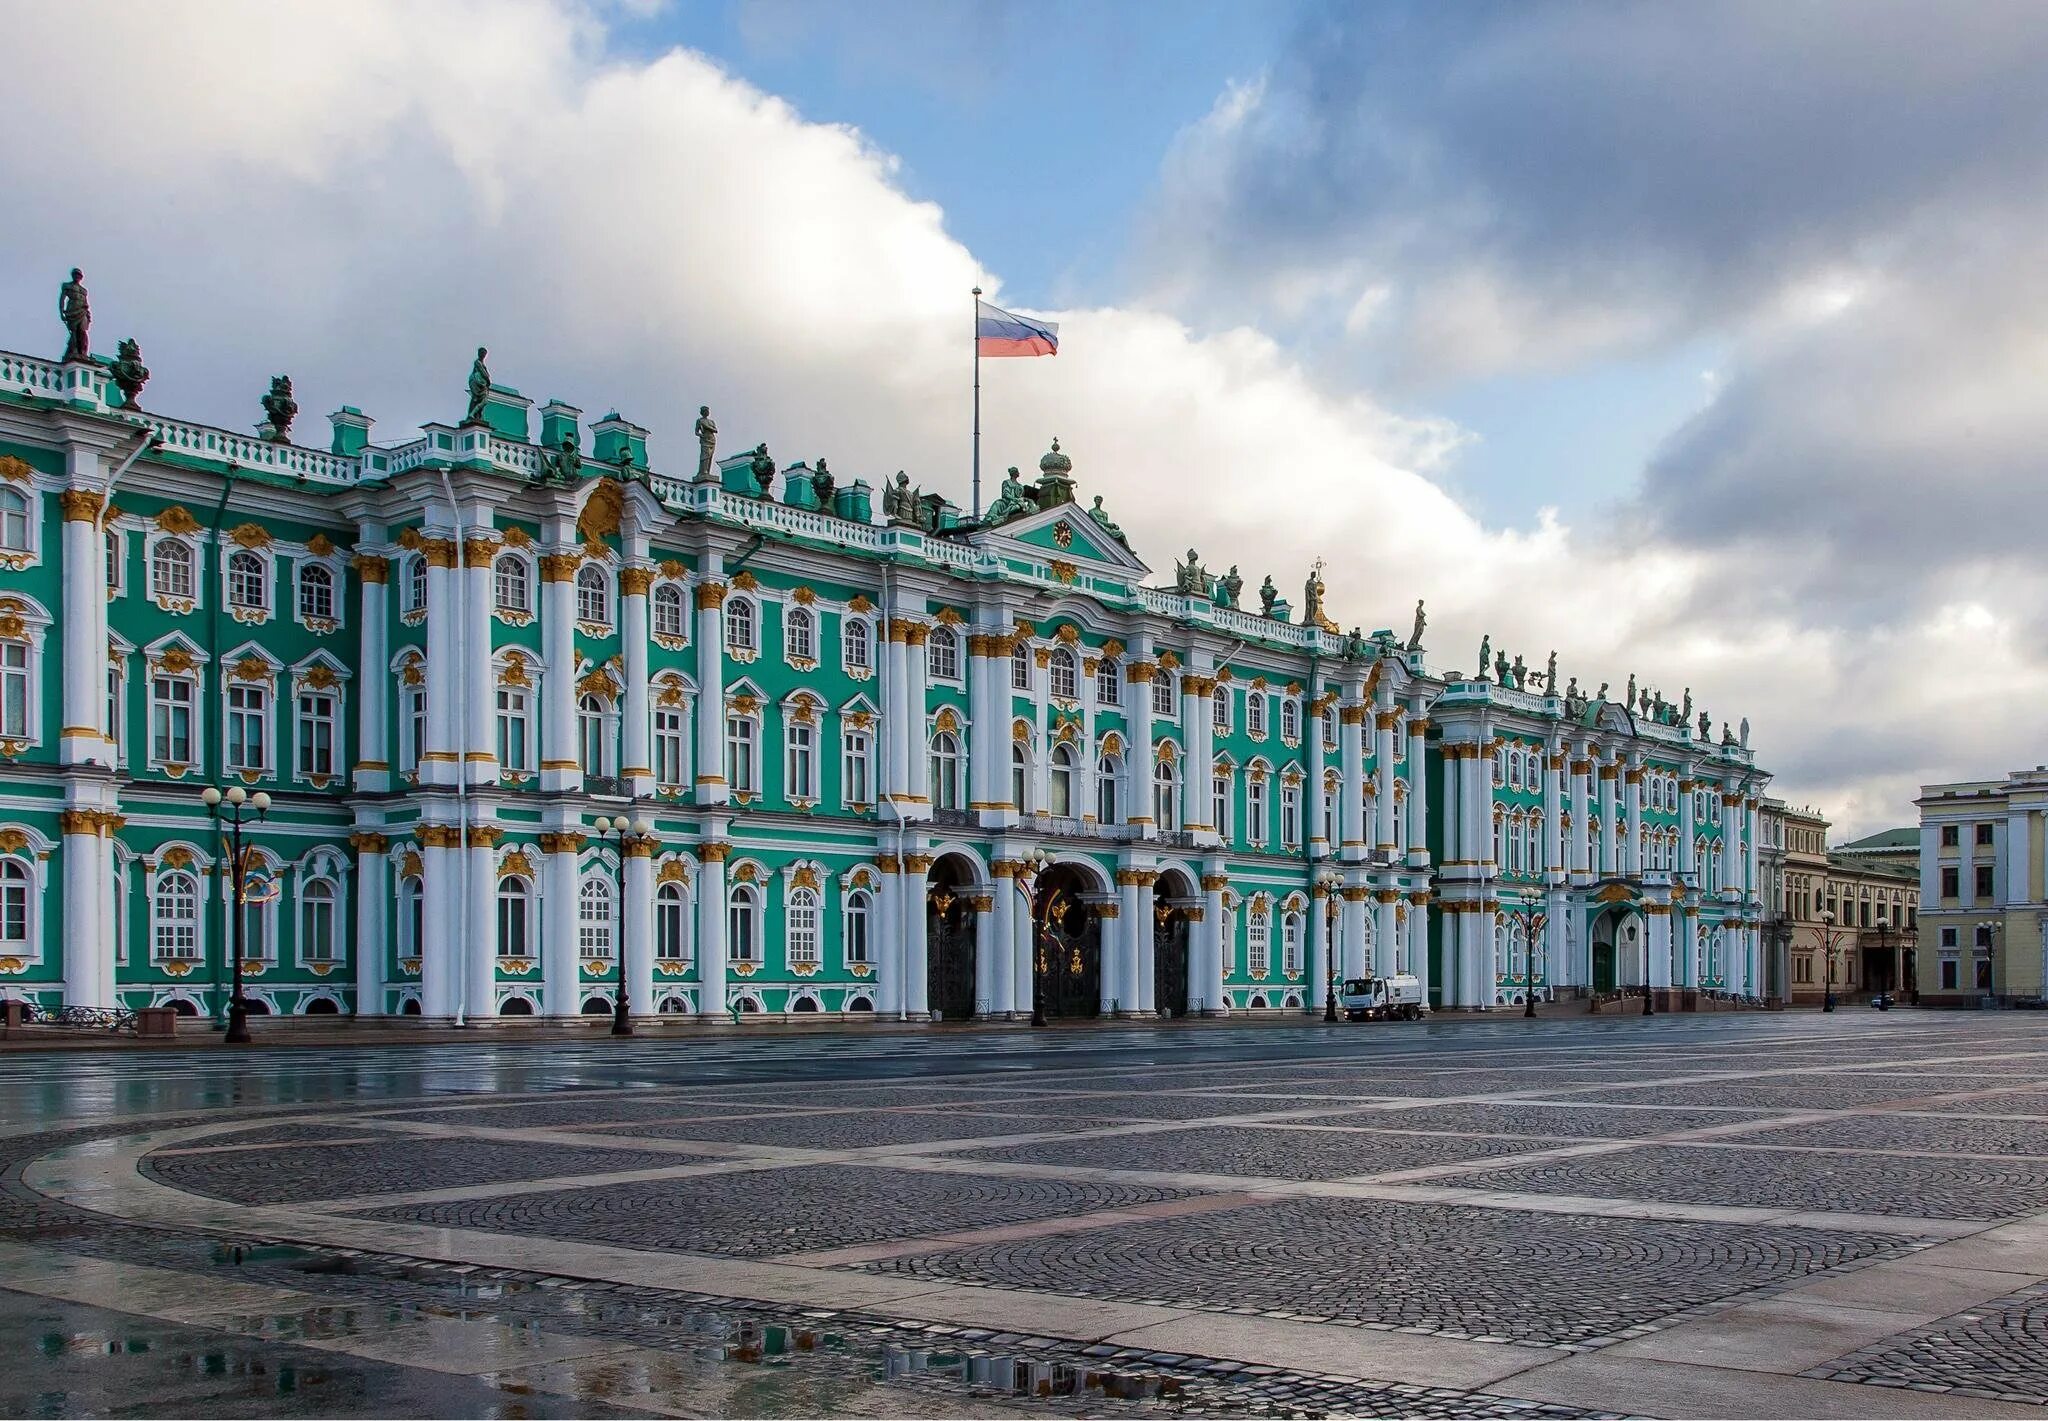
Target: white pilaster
637	931
373	746
711	785
636	763
373	919
561	983
916	935
713	951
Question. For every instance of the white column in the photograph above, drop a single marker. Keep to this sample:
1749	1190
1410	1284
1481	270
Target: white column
988	771
712	949
1386	946
441	763
1023	946
1384	719
1114	953
88	956
916	935
1141	931
988	966
440	861
895	718
1352	929
2019	859
637	960
1749	849
1312	792
1211	949
1351	758
1454	802
889	937
82	645
917	762
1581	863
560	769
478	866
1558	967
1318	946
1632	844
1659	945
479	744
1418	941
1553	813
711	785
373	918
1418	787
1138	674
561	983
1609	835
1003	949
373	748
1479	822
1688	861
636	764
1197	769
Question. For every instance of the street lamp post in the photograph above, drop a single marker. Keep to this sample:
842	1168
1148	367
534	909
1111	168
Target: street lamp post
240	807
1993	931
623	831
1884	951
1533	920
1330	881
1828	938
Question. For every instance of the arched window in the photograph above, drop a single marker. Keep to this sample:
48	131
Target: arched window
668	611
1500	766
1062	787
1020	666
945	767
1258	943
316	920
743	923
176	932
1290	719
1329	720
1219	709
594	917
1062	680
14	900
671	924
515	904
942	654
1165	797
593	595
1255	712
1255	809
412	917
509	585
248	588
1290	944
802	926
1109	774
1500	840
739	625
590	732
14	521
1162	692
1109	682
316	592
853	644
854	929
416	584
1020	775
799	634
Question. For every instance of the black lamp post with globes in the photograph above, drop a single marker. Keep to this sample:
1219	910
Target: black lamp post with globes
235	809
623	831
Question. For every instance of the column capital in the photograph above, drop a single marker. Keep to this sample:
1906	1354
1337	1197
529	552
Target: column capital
559	567
1215	882
368	843
559	843
80	505
709	596
371	568
715	851
635	581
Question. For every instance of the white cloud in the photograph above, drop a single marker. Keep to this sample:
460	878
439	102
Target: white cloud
358	196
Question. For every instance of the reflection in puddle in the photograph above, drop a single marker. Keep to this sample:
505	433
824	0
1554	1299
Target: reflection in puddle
1028	1376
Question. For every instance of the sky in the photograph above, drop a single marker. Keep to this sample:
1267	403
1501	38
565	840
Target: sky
1700	343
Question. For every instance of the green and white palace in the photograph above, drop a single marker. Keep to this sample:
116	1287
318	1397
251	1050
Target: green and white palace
891	761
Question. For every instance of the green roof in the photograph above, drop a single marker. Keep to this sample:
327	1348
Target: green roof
1906	838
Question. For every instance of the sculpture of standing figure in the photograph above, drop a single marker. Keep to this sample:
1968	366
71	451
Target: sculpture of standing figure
707	444
1188	578
479	388
1629	700
1550	676
1312	596
130	374
75	311
1685	710
1603	691
763	468
1232	585
899	503
1744	738
1268	595
1421	621
1485	655
280	409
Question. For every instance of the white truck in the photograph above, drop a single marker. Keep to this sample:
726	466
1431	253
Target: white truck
1397	998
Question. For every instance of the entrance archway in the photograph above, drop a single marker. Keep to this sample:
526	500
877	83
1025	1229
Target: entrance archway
1069	943
949	938
1172	897
1617	950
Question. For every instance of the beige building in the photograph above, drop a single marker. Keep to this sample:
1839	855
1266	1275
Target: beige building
1984	936
1841	919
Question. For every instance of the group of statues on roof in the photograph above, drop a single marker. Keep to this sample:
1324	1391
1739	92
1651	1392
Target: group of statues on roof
1515	675
1644	703
1191	579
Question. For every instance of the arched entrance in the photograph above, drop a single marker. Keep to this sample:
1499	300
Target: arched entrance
1617	950
1068	947
949	939
1172	899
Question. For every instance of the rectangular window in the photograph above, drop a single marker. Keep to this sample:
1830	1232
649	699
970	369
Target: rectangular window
1290	816
1255	811
116	732
1951	882
856	783
14	689
1951	974
1983	833
513	750
739	754
1162	692
170	720
1984	889
1257	944
1020	668
413	738
248	728
669	732
800	769
316	732
1951	836
1219	709
1219	805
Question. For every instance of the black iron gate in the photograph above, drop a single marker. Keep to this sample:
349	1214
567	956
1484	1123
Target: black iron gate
949	964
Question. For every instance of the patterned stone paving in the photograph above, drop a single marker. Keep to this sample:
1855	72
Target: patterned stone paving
793	1210
400	1166
1969	1135
1996	1350
1812	1093
861	1129
1370	1083
1262	1151
1575	1121
574	1112
1467	1272
1134	1105
1908	1186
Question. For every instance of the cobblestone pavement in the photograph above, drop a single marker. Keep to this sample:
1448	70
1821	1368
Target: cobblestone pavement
1915	1186
1463	1272
986	1279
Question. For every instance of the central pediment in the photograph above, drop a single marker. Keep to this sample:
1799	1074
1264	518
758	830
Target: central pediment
1065	531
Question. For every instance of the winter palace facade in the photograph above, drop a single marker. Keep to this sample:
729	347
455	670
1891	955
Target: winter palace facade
895	761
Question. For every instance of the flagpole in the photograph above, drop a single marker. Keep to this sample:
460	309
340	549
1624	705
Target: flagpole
977	402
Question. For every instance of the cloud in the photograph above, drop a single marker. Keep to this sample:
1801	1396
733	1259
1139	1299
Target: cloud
358	196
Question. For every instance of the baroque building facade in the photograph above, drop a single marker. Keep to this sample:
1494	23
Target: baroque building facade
922	763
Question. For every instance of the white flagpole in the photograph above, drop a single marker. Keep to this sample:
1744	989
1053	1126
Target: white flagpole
977	402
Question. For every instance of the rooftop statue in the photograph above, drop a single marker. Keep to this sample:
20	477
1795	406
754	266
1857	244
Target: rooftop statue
1744	739
479	388
1188	578
1603	691
130	374
1500	667
1685	710
1232	585
1014	501
1521	673
1355	643
1486	656
822	484
280	409
707	445
563	466
1268	595
1421	621
1705	726
1629	700
763	470
1727	736
899	500
1550	676
75	311
1108	525
1643	703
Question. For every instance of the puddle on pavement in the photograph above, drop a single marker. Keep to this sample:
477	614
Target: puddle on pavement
718	1346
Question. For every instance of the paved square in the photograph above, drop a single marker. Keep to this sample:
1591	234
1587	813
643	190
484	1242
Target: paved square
1266	1151
862	1129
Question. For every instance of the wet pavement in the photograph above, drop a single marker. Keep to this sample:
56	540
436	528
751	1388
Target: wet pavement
1556	1218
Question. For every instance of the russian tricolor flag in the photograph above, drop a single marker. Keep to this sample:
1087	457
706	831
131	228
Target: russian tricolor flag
997	332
